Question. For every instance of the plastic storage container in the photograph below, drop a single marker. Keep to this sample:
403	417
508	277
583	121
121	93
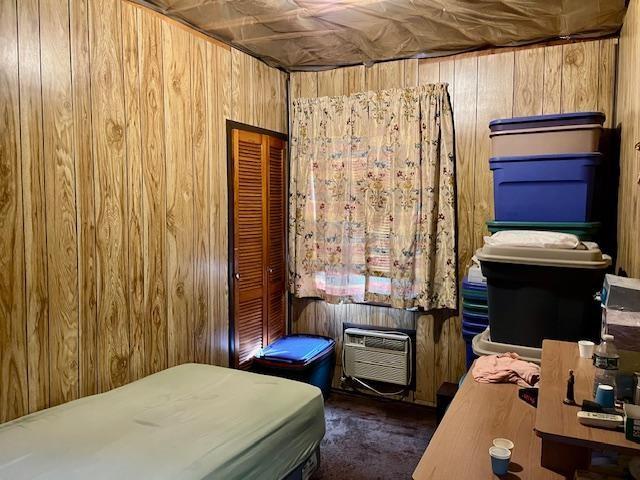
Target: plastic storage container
483	345
547	134
474	291
585	231
472	306
544	188
475	319
305	358
468	334
538	293
546	121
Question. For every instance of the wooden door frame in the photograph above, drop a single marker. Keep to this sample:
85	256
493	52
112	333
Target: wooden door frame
231	126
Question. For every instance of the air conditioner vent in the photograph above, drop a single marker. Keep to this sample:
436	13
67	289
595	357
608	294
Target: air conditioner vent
377	355
385	343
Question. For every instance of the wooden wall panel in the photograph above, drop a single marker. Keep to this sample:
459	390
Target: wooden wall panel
528	83
495	100
262	109
218	99
483	86
110	161
154	193
135	290
580	76
13	348
33	194
552	75
179	168
60	195
113	194
201	194
628	121
85	195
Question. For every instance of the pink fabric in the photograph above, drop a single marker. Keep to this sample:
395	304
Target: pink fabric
505	368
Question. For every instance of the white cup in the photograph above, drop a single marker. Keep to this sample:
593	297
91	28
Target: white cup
586	348
503	443
500	458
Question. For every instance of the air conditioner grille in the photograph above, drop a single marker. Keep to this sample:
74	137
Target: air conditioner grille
384	343
375	355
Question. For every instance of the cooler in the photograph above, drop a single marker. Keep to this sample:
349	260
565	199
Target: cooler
305	358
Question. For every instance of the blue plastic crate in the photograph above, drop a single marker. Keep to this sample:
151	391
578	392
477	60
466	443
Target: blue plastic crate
544	188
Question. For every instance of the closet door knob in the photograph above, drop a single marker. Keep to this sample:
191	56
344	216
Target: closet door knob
237	275
270	270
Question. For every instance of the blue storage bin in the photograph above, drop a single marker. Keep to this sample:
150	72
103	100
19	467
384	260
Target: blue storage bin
305	358
474	318
474	291
544	188
542	121
468	333
474	306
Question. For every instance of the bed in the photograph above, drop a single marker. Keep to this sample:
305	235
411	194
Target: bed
188	422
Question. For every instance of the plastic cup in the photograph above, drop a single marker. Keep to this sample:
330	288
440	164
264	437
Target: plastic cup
500	458
605	396
503	443
586	348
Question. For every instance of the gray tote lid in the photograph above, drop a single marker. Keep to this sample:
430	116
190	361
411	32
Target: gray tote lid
592	258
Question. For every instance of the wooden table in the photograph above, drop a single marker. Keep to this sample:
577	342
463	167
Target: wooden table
479	413
567	444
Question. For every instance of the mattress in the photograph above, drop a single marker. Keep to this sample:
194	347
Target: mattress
187	422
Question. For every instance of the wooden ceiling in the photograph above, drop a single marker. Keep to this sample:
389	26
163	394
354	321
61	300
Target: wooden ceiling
315	34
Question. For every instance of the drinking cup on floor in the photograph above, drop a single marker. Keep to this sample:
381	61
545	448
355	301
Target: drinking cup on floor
500	458
586	348
605	396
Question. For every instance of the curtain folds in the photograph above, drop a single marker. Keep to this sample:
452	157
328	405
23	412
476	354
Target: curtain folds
372	198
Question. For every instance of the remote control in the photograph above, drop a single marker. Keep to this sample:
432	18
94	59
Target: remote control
600	420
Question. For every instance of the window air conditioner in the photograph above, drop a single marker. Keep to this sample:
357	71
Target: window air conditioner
377	355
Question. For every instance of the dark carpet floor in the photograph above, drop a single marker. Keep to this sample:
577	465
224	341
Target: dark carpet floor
370	439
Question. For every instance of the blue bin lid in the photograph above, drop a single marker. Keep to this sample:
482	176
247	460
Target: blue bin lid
472	286
594	157
296	348
573	118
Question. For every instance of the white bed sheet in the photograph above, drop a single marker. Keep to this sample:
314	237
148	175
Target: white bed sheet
187	422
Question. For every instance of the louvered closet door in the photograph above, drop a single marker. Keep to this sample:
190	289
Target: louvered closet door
276	240
250	246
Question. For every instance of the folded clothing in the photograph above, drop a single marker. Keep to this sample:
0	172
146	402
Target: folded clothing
533	238
505	368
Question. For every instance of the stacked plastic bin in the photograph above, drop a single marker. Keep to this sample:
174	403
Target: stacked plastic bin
544	172
544	178
475	313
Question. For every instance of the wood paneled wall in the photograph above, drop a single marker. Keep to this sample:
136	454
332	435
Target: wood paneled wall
483	86
113	194
628	120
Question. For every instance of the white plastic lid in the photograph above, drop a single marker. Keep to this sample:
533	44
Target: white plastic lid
585	258
500	453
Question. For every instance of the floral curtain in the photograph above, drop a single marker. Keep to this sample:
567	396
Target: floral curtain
372	198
